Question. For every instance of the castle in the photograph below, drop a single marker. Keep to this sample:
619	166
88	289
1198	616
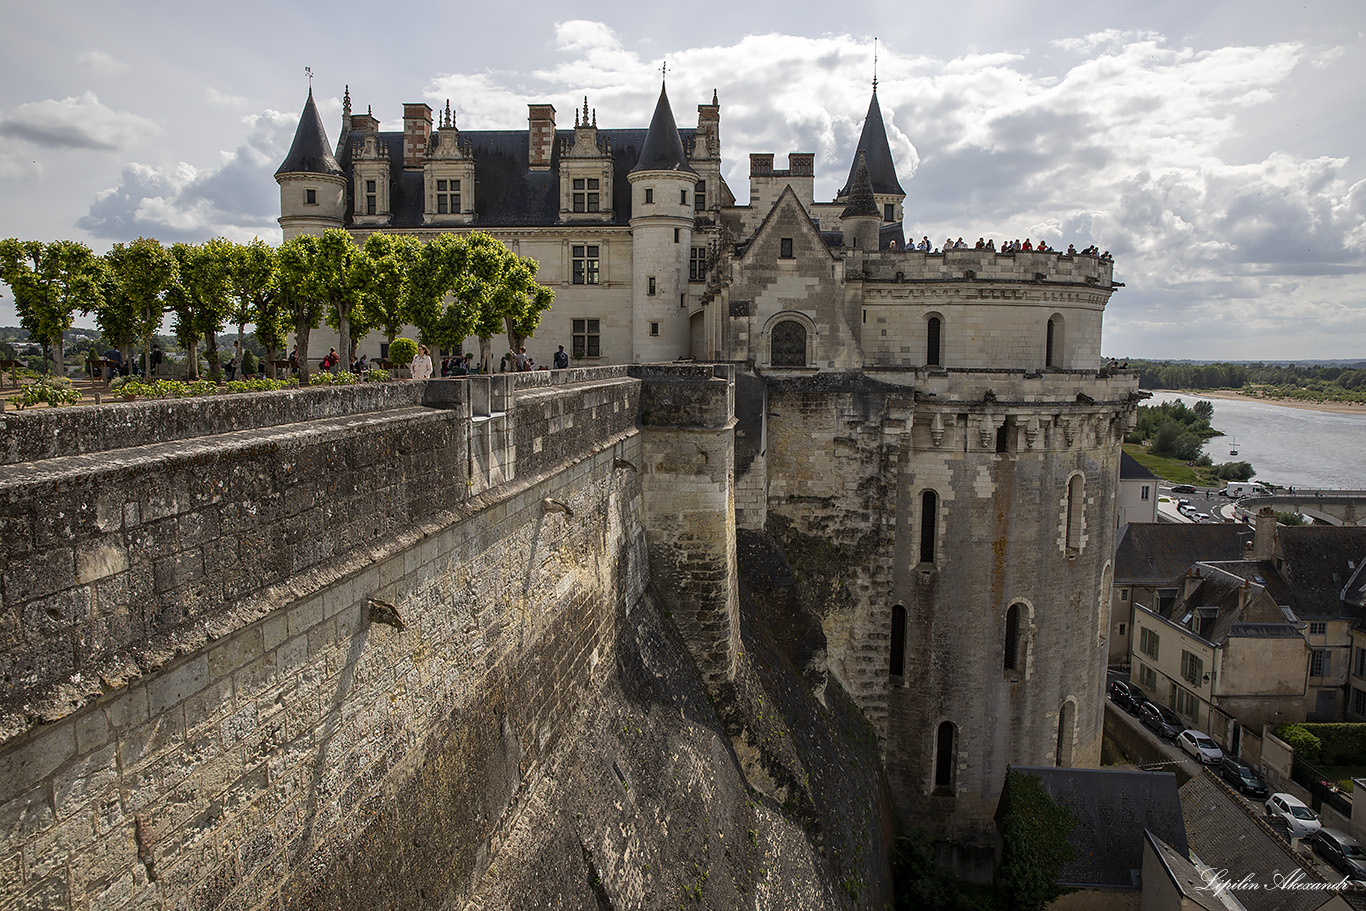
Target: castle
932	436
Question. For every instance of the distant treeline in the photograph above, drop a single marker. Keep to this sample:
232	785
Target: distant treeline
1312	383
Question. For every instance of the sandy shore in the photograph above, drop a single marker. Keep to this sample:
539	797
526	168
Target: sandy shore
1331	407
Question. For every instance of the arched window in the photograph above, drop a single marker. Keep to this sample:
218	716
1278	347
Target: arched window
1052	348
1013	653
787	344
898	661
1075	494
1103	606
945	750
934	354
1062	756
929	519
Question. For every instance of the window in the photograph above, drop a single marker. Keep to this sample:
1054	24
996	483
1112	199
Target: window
1148	642
1050	347
933	351
1147	678
1361	662
929	522
1358	702
699	196
1143	492
447	197
677	235
888	211
697	265
369	197
654	328
586	194
945	748
1003	437
785	248
1074	510
787	346
1320	663
310	197
897	666
1192	667
1014	653
1124	594
650	287
682	197
649	196
1318	628
1186	703
1123	628
584	339
1062	754
585	265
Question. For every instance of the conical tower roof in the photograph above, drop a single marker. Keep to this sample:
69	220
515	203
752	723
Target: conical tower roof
310	154
861	200
663	149
873	143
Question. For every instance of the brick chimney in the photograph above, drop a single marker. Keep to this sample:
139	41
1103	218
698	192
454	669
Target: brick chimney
541	141
417	126
1264	534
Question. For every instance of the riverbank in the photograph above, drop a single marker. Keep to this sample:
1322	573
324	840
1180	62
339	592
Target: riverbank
1329	407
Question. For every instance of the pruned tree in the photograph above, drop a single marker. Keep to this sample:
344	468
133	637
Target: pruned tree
391	259
138	277
200	299
296	275
254	289
50	281
343	280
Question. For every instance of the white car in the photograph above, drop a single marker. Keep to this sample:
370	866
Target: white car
1200	747
1297	816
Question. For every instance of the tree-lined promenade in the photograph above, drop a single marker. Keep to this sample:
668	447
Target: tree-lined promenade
452	288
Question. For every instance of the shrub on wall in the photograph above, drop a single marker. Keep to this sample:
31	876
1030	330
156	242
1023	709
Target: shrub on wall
1340	743
402	351
1306	745
1035	835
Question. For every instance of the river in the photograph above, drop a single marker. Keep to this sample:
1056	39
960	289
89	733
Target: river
1287	446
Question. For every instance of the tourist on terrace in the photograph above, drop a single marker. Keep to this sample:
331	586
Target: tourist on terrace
981	244
924	245
422	364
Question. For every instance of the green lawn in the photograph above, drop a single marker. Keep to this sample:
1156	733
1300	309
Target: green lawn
1174	470
1343	774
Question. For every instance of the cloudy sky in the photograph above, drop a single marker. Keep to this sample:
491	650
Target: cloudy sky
1216	148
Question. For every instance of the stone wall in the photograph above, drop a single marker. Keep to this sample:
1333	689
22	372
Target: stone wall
355	733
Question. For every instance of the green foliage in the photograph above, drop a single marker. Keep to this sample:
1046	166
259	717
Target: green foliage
1171	425
341	378
1331	743
376	375
138	276
175	389
402	351
300	297
1307	746
1310	384
50	281
52	390
1035	833
391	259
1290	518
201	297
250	365
1234	471
922	885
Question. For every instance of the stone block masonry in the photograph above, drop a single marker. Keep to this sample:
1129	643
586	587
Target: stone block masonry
250	734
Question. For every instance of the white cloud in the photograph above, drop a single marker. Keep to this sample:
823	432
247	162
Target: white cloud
75	123
223	99
100	62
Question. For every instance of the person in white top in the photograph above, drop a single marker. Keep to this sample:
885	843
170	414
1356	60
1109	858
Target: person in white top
422	364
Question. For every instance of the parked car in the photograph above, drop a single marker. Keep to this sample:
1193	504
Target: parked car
1161	720
1183	504
1199	746
1342	851
1127	696
1203	517
1297	816
1240	775
1183	488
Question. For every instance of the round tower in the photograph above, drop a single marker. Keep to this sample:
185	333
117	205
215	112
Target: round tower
662	186
860	221
312	184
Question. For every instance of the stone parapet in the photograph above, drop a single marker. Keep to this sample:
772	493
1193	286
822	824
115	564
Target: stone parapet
985	265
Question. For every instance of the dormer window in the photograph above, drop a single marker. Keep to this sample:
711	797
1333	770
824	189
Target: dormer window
699	196
369	197
586	194
448	197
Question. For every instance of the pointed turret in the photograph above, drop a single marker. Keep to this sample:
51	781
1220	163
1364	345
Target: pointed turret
309	153
881	166
860	219
663	148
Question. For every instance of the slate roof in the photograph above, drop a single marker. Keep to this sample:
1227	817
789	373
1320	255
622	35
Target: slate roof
1189	881
663	149
1113	807
1155	553
1319	562
309	153
873	143
1212	608
508	193
1130	469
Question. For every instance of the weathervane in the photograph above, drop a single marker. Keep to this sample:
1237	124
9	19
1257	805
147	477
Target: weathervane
664	70
308	71
874	63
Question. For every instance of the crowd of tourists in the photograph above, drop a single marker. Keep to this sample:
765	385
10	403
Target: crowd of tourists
1007	246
